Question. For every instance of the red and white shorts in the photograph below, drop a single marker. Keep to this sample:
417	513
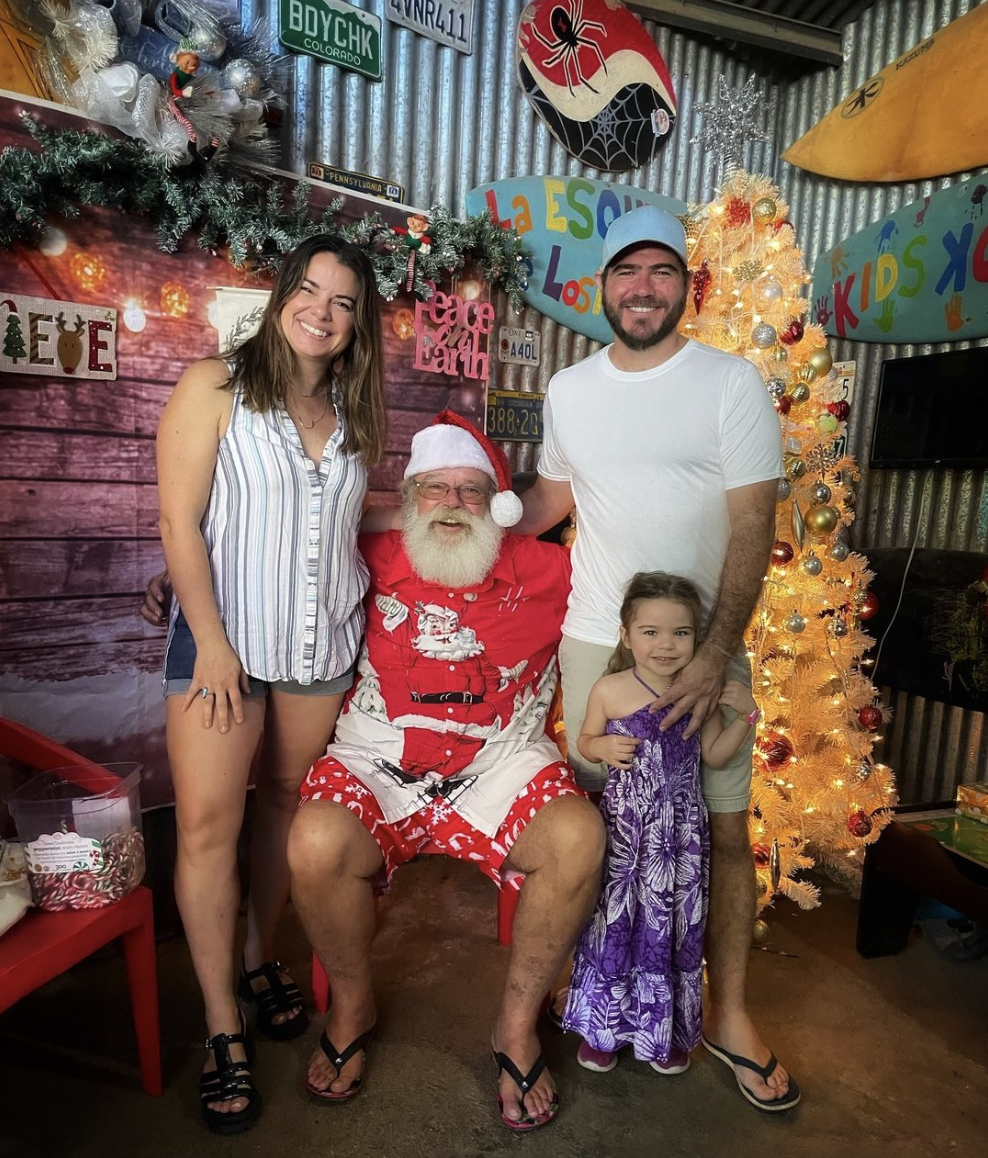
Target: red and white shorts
438	827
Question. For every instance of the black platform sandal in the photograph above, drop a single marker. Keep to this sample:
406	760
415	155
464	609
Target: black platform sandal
280	997
229	1081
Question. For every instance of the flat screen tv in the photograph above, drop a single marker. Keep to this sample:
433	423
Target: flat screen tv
932	411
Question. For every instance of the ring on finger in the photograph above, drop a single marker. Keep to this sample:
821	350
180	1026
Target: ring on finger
205	693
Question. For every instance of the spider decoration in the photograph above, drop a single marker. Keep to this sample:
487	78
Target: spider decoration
570	28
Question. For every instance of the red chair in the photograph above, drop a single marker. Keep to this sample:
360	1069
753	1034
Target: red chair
42	945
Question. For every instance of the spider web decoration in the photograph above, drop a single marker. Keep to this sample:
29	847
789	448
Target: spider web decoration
598	81
619	138
731	120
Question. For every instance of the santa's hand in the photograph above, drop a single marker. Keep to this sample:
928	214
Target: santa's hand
187	91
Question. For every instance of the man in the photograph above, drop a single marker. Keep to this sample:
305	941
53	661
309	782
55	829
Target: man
442	747
670	452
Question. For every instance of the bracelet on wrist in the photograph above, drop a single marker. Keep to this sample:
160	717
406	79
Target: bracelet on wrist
751	718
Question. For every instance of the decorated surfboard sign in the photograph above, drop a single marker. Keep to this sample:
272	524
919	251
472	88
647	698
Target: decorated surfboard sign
918	275
597	79
562	220
923	115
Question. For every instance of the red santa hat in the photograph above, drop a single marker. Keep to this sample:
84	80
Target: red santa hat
452	442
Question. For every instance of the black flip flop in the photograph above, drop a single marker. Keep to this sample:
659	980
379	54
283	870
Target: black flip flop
769	1105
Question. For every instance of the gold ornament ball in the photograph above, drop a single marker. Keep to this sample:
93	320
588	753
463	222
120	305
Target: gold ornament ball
795	468
821	361
799	393
806	373
174	299
761	885
764	210
821	520
759	932
780	354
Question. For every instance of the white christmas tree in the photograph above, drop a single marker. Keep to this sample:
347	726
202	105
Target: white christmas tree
817	792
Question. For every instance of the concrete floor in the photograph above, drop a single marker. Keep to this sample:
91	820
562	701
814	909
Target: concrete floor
892	1055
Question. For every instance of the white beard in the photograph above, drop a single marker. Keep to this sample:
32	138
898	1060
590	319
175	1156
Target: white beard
459	561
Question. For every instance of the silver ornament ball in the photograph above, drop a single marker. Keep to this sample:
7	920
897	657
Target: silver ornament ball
210	43
838	550
776	387
840	628
768	290
763	336
243	78
863	771
812	565
785	489
821	493
795	623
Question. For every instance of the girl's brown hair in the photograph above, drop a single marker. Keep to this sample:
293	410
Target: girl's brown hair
652	585
264	365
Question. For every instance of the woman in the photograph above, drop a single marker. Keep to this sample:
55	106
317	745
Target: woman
262	472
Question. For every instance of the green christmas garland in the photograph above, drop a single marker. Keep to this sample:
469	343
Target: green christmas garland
250	217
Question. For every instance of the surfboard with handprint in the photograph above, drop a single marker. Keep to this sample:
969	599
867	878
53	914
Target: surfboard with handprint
918	275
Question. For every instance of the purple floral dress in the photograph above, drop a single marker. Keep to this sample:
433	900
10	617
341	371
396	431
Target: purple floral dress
638	967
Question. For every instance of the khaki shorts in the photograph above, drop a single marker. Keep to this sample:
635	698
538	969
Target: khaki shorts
581	664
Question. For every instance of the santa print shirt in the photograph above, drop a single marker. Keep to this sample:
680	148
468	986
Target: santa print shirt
454	685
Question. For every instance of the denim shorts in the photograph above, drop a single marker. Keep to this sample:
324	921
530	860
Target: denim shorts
180	660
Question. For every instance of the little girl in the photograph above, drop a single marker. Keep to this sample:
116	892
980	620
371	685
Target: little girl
637	971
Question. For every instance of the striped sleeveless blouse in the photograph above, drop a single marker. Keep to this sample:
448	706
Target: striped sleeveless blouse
281	535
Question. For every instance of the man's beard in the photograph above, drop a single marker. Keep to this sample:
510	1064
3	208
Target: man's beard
460	559
645	341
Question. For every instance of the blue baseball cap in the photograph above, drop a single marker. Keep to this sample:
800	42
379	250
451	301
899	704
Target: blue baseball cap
642	226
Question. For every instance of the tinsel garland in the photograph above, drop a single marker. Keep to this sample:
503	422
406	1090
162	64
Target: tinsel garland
249	216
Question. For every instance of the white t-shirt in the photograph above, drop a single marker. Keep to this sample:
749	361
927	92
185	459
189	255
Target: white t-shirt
650	456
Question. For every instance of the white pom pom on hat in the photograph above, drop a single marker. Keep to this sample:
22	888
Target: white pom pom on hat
451	442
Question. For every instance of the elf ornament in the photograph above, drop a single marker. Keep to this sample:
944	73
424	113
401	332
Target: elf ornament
180	83
416	241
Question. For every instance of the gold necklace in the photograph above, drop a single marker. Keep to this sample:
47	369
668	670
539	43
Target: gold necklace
309	425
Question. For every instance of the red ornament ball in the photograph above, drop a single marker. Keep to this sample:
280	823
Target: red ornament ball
868	605
792	333
760	855
840	410
783	404
870	717
782	553
859	823
775	748
738	212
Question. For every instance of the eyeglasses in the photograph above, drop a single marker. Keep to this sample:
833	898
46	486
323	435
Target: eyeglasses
471	495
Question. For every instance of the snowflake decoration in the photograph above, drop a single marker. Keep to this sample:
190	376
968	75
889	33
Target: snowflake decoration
822	458
730	120
440	811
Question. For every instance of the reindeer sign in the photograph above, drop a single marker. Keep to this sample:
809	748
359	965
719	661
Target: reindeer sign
57	339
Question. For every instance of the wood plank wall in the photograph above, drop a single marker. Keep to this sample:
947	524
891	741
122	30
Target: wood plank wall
78	503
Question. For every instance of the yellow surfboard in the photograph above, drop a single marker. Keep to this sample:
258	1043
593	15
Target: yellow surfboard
923	115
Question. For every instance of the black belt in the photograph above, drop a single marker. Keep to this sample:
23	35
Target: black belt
446	698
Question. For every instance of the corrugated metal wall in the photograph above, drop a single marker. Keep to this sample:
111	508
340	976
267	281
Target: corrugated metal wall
932	746
440	123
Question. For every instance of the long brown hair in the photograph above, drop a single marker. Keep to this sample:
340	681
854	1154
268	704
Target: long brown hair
265	364
652	585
